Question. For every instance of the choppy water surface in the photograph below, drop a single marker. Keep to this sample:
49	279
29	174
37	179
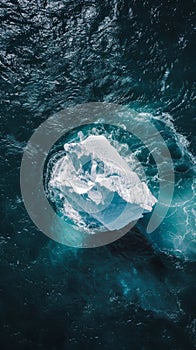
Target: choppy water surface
137	292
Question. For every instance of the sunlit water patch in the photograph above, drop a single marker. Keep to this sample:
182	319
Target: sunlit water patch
103	177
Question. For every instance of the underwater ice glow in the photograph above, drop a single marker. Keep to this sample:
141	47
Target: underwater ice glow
92	178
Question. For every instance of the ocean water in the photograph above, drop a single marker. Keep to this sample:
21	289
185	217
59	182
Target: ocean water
138	292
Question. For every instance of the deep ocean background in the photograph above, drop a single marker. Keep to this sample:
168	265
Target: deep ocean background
56	54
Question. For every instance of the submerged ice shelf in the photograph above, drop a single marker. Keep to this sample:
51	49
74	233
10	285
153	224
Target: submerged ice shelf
92	181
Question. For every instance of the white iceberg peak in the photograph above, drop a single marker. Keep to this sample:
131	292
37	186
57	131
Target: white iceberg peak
97	180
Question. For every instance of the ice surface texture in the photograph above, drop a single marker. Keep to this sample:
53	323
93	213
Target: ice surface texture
91	177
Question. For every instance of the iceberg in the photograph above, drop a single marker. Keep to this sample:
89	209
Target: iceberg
92	178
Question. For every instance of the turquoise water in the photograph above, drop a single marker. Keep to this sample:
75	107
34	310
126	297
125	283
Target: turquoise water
137	292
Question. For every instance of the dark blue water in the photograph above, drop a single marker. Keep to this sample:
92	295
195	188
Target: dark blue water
138	292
